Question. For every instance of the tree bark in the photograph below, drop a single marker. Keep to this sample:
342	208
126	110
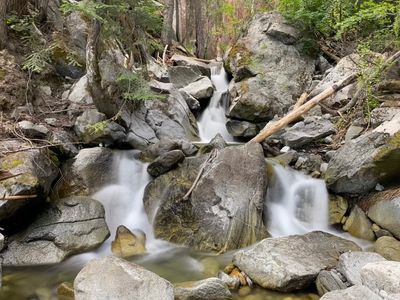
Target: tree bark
3	28
295	114
168	28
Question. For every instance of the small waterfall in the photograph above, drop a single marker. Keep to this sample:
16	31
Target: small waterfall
295	203
213	119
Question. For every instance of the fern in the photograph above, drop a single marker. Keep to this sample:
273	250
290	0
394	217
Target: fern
134	87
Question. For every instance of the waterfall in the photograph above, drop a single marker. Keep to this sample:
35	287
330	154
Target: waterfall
213	119
295	203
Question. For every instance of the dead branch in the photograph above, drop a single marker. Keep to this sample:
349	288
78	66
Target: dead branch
164	56
19	197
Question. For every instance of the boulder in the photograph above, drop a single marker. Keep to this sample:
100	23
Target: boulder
31	130
217	143
210	288
182	76
328	281
338	207
293	262
127	244
78	30
67	226
239	128
191	62
157	70
66	143
311	130
165	163
351	263
382	114
358	225
79	92
356	292
388	247
353	132
386	214
114	278
160	87
382	276
86	173
200	89
362	163
269	68
212	217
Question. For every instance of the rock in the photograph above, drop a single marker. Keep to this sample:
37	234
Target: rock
68	226
160	87
79	92
127	244
383	275
94	128
85	174
217	143
358	225
165	163
233	283
362	163
323	65
345	67
164	146
66	143
65	291
157	70
211	288
328	281
356	292
353	132
269	70
386	215
239	128
191	101
33	130
382	114
337	209
182	76
212	218
200	89
388	247
307	132
78	30
379	232
114	278
195	64
351	263
36	170
274	264
1	242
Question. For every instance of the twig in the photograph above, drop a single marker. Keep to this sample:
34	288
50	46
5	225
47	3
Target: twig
164	56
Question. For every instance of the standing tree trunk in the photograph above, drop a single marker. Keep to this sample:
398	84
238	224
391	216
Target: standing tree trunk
3	29
168	34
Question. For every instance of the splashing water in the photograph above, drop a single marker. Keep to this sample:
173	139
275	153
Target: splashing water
213	118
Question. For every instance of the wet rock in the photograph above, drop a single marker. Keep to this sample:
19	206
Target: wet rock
86	173
194	64
79	93
211	288
358	225
114	278
165	163
353	293
65	291
273	263
212	218
386	214
200	89
351	263
94	128
241	128
388	247
309	131
127	244
182	76
33	130
217	143
66	227
233	283
328	281
337	209
191	101
382	276
269	70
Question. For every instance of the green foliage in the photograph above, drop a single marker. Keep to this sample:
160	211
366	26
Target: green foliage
134	87
98	128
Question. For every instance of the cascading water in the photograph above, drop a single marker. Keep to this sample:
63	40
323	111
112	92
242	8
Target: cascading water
213	119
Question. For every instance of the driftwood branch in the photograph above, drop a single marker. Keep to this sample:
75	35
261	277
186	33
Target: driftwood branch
295	114
19	197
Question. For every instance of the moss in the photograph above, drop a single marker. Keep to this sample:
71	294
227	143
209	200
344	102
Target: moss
11	162
392	145
54	158
240	50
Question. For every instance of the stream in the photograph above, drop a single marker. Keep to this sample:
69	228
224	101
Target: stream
295	204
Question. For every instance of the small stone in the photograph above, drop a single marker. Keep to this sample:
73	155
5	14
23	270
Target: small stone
300	162
388	247
127	244
379	188
324	167
353	132
233	283
45	89
51	121
285	149
65	291
33	130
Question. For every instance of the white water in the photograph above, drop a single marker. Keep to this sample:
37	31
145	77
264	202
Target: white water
213	119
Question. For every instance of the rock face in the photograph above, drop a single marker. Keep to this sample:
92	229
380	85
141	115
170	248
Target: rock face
293	262
382	276
213	217
269	69
386	214
68	226
127	244
362	163
114	278
356	292
211	288
388	247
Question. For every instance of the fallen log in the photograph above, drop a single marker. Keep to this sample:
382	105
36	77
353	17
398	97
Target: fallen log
302	109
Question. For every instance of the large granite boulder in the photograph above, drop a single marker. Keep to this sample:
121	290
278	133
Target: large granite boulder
210	288
386	213
66	227
224	210
270	69
114	278
293	262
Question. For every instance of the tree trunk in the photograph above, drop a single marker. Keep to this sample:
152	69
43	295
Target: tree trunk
3	29
168	28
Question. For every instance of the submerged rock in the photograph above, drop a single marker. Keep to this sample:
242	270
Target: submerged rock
114	278
68	226
293	262
388	247
224	210
127	244
211	288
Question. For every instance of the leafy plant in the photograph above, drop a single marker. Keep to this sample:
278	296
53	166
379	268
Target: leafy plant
135	88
